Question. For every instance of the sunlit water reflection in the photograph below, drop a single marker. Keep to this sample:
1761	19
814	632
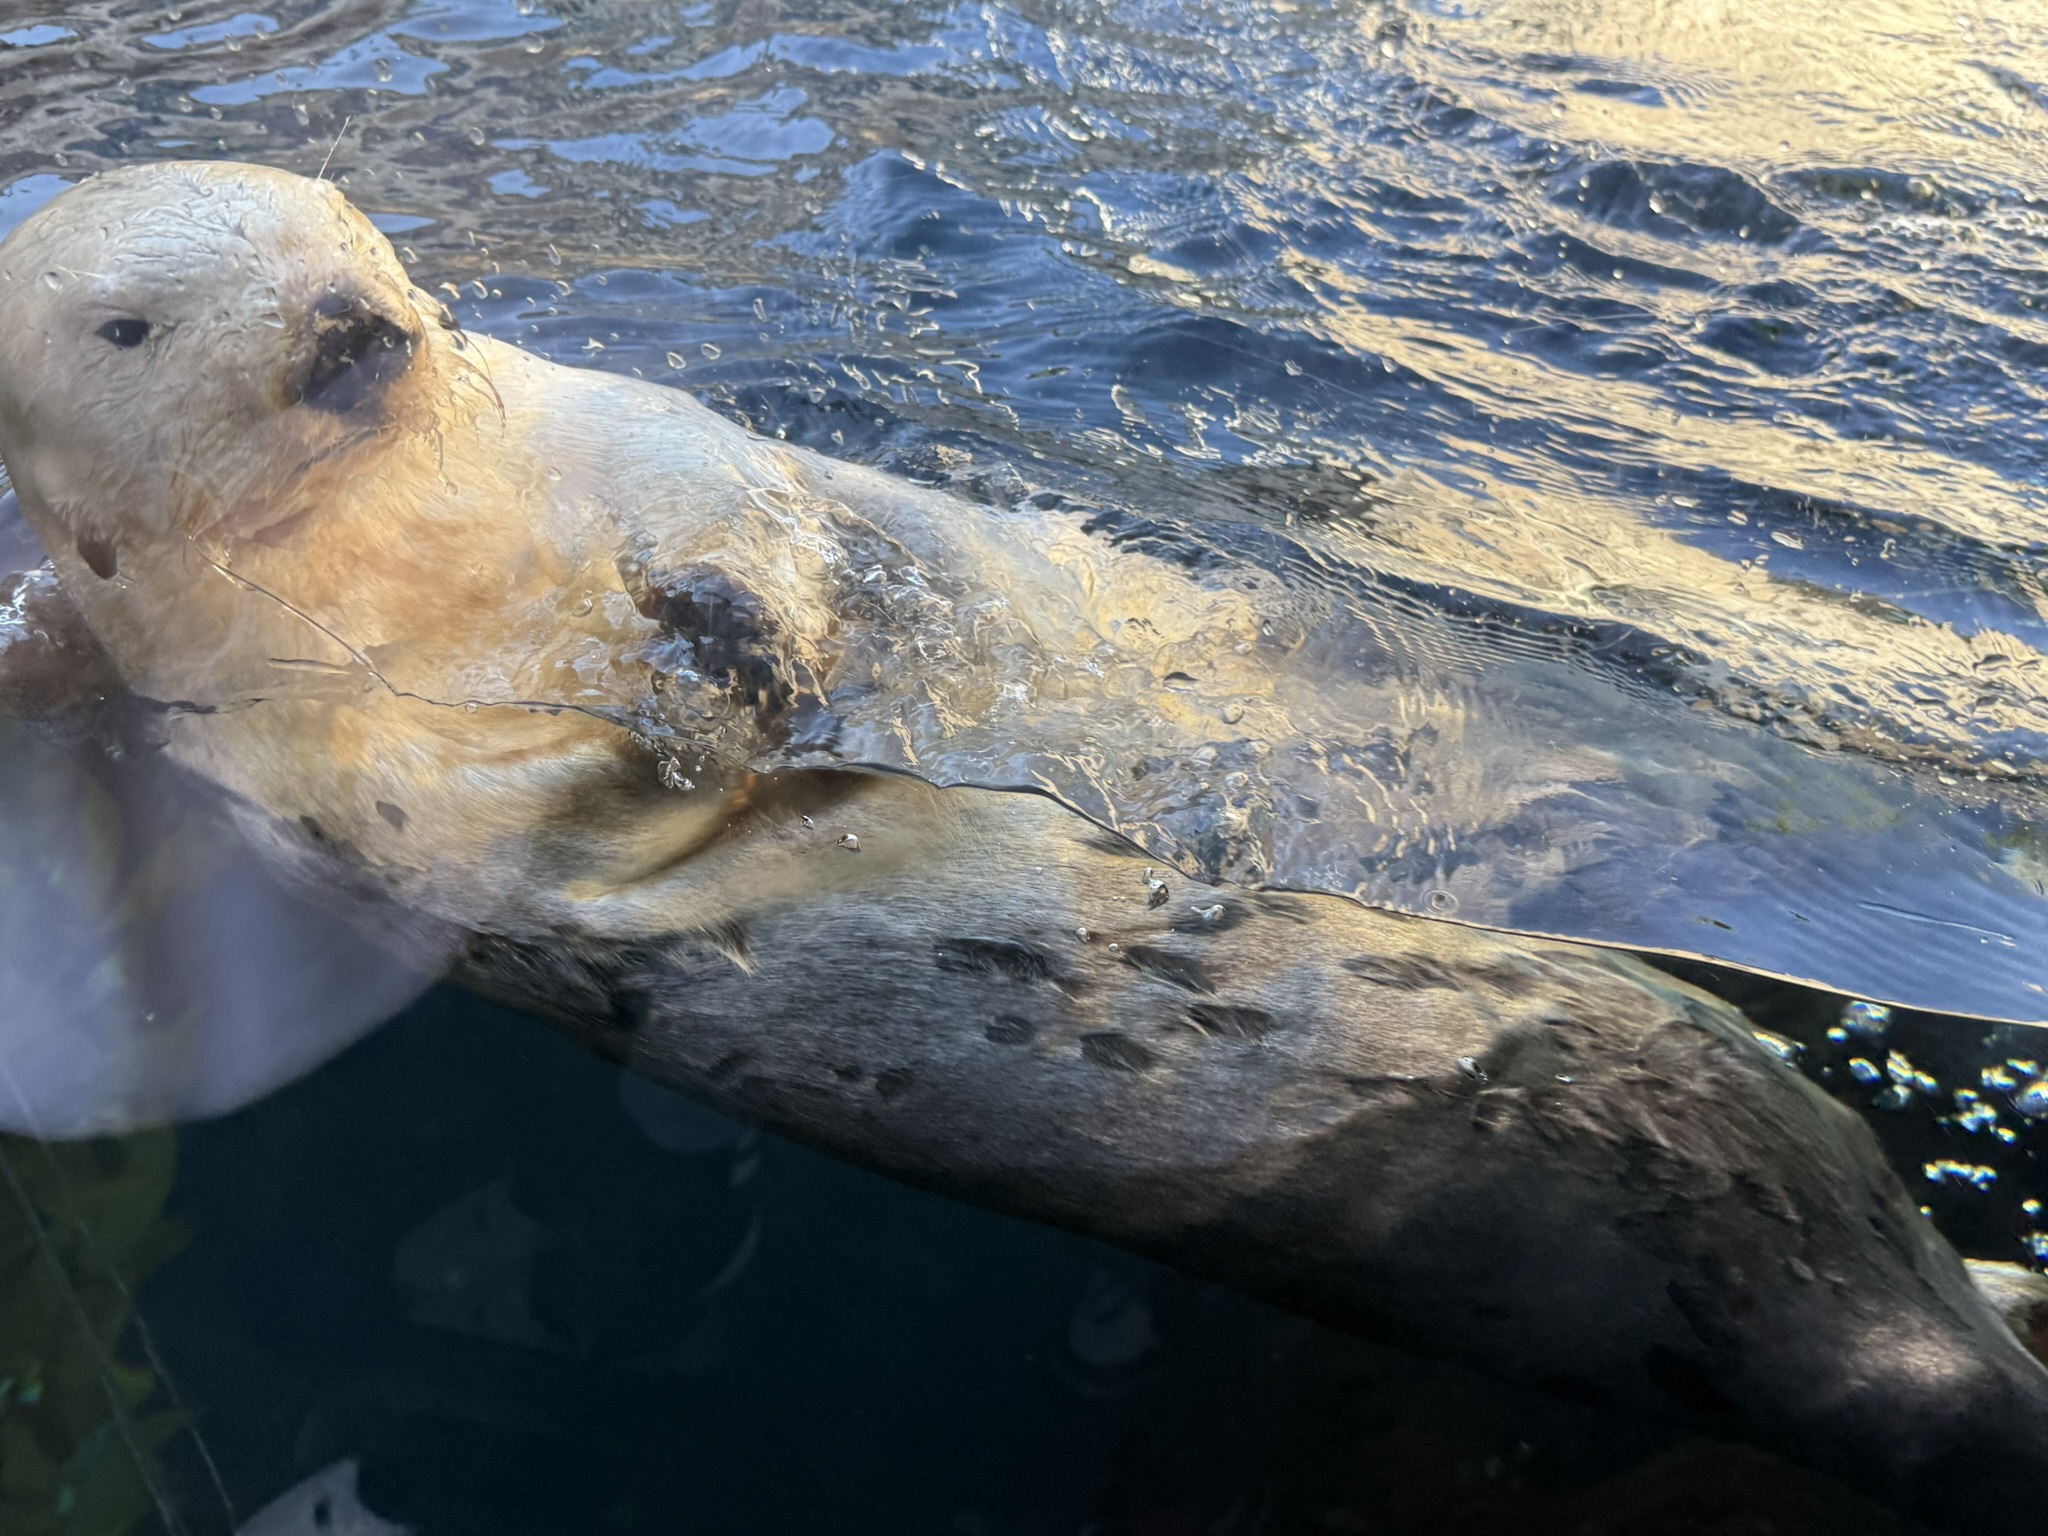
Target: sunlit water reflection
1619	375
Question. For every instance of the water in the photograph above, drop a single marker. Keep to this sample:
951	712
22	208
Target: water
1691	355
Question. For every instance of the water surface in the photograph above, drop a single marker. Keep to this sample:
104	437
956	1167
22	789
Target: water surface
1615	373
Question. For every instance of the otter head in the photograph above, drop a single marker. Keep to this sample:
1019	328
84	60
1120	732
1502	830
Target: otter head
178	340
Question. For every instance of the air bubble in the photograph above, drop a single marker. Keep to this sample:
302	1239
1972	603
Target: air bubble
1785	1050
1948	1171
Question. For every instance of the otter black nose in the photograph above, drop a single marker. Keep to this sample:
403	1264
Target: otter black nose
355	347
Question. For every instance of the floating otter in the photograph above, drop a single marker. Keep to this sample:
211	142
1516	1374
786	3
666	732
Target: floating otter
462	639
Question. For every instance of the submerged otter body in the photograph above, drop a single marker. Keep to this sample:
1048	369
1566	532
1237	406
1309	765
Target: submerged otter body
351	554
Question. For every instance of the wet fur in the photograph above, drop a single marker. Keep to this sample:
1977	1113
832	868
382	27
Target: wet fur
1546	1159
1552	1161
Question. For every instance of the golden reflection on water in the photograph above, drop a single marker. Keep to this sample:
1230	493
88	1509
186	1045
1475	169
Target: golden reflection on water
1891	82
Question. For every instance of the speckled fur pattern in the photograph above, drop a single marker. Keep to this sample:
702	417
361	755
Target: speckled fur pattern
1547	1160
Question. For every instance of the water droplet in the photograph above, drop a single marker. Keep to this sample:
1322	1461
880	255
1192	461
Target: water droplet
849	842
1155	889
2032	1100
54	281
475	136
1442	903
677	360
1972	1113
1470	1067
1658	204
710	350
1233	712
1893	1097
593	345
1870	1019
807	821
1864	1071
1210	914
384	70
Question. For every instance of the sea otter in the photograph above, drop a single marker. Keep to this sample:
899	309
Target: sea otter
424	612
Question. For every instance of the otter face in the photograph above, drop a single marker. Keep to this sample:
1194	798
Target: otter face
173	335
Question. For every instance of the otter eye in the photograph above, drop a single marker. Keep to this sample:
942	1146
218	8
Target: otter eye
125	332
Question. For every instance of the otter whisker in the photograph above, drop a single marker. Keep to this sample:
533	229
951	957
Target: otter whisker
329	157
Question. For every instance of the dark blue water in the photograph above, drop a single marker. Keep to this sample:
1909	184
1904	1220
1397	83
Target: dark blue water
1703	351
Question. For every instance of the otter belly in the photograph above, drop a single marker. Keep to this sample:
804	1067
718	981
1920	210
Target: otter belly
1550	1160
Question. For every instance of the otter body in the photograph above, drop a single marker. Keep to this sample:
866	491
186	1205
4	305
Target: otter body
350	555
